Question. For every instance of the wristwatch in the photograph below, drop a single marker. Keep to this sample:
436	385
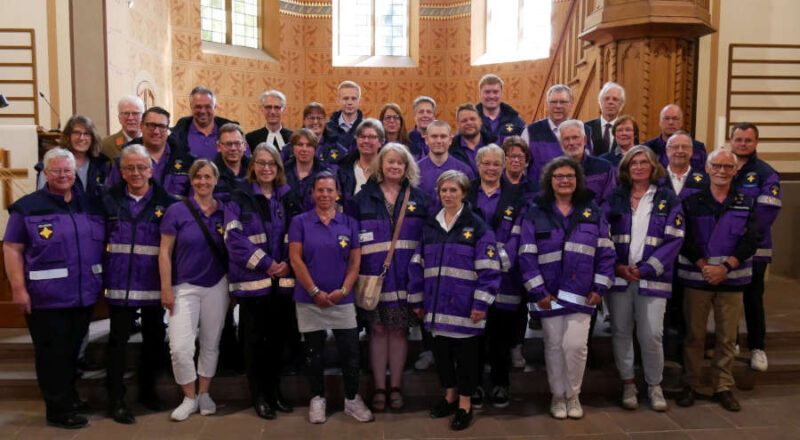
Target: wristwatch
728	267
314	291
344	291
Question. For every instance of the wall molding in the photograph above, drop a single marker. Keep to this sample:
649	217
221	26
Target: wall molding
457	9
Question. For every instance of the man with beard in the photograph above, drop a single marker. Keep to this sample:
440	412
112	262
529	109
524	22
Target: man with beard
471	136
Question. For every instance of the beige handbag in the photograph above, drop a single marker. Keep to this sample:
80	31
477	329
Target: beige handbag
369	287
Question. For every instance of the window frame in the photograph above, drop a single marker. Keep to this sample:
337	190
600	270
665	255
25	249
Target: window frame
479	33
268	34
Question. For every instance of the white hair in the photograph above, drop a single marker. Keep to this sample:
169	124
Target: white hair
560	88
571	123
56	153
490	149
131	99
608	87
717	152
133	150
275	94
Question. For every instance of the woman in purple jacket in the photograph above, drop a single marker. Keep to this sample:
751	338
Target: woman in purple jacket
260	276
647	229
567	263
453	280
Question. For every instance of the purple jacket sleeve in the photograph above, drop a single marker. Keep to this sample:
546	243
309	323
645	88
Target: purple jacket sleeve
416	278
487	269
667	251
528	255
604	258
509	251
242	249
768	203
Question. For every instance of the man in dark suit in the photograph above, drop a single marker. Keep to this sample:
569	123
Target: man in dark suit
273	104
611	100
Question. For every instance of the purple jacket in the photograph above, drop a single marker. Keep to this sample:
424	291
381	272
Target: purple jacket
418	143
716	231
375	229
697	161
508	122
452	273
761	182
255	236
662	243
544	145
505	223
131	259
64	245
601	176
172	172
695	182
566	257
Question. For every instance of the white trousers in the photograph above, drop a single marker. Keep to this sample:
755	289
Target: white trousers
647	312
198	312
565	338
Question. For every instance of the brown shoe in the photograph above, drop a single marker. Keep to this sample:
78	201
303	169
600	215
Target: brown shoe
726	399
686	397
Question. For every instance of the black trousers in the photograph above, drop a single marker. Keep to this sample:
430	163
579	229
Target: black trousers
674	325
153	349
347	347
753	296
499	338
57	335
263	321
457	361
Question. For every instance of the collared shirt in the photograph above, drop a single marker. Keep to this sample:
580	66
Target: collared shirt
160	167
137	203
640	222
678	181
488	203
343	124
554	129
471	154
603	123
193	261
443	224
274	138
204	147
494	123
361	177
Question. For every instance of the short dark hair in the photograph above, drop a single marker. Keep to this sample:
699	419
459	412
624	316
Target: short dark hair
229	127
66	138
306	133
322	175
517	141
158	110
313	106
546	187
466	106
622	119
744	126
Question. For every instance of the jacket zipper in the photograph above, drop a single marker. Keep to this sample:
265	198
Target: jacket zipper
80	264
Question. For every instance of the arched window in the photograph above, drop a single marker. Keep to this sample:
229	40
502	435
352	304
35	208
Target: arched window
510	30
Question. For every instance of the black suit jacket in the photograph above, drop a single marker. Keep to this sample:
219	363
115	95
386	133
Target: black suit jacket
599	147
256	137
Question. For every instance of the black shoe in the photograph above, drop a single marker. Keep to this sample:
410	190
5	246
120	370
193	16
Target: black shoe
686	397
500	397
121	414
263	409
462	420
280	404
443	408
69	421
477	397
727	400
81	406
153	403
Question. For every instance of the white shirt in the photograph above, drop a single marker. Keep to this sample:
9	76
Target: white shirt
443	224
640	222
678	181
346	126
361	178
554	129
274	136
603	123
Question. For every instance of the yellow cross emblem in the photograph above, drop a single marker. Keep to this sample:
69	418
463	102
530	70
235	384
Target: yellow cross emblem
587	213
46	232
509	128
467	235
178	165
677	221
509	211
412	208
751	178
490	253
159	213
774	191
343	243
698	178
219	230
334	155
661	206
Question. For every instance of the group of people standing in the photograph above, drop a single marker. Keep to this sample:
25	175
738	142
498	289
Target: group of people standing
471	235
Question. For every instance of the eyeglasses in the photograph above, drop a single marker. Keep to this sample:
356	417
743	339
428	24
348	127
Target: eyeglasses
369	137
272	107
234	144
133	168
129	114
156	127
558	102
519	157
60	171
81	134
679	147
722	166
563	177
391	117
672	119
492	164
639	163
315	118
265	164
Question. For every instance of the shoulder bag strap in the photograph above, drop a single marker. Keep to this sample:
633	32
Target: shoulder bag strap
396	234
219	253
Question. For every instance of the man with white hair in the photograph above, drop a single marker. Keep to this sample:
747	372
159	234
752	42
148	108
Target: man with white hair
273	105
601	176
129	114
612	100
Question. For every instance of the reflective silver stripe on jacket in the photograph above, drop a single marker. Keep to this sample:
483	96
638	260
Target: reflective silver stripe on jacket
740	273
672	230
482	295
534	282
621	238
619	281
487	264
134	295
455	320
550	257
653	261
655	285
417	258
415	297
505	262
255	258
97	269
451	272
384	247
684	260
233	224
769	200
653	241
689	275
554	305
603	280
394	296
717	260
138	249
584	249
760	252
248	286
528	249
286	282
516	230
508	299
604	242
573	298
48	274
257	238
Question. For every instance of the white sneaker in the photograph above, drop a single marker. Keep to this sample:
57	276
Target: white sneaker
558	408
517	359
316	410
758	360
184	410
207	406
358	410
657	400
424	361
574	410
629	400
